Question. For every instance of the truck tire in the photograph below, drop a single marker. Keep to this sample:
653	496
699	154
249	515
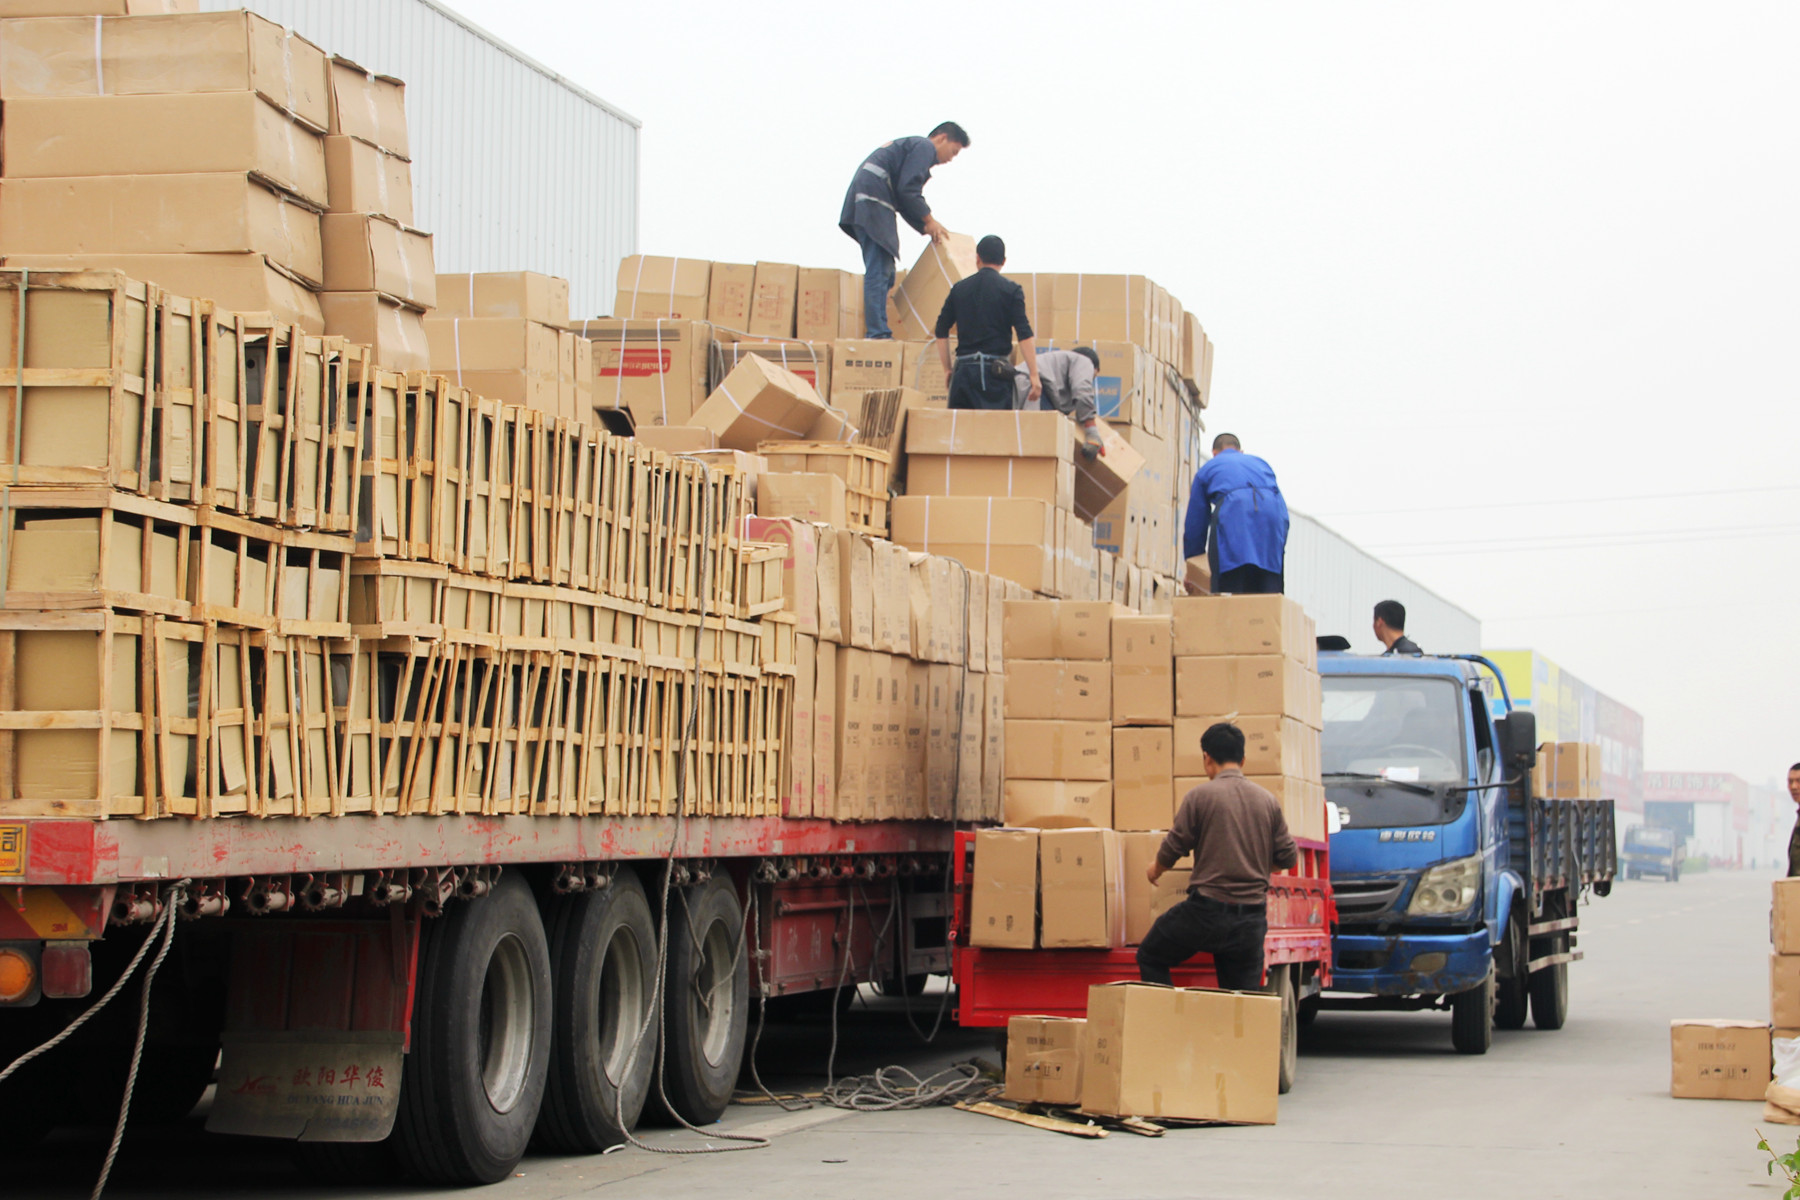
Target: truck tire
1550	991
1511	998
1281	983
474	1078
707	1003
1308	1011
603	955
1472	1018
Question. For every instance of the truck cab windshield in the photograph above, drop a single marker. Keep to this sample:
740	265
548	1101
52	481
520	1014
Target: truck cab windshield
1404	729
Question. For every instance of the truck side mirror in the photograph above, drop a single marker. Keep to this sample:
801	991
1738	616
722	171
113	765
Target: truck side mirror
1518	738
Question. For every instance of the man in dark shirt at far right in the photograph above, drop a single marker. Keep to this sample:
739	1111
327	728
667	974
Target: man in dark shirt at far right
986	308
1238	837
1390	629
1794	837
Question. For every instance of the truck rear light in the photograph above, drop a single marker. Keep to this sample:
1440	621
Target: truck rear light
19	973
68	970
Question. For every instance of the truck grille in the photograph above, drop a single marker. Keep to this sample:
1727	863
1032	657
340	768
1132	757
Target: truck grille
1359	900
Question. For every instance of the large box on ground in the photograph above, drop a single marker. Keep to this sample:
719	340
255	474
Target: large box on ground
1043	1059
1182	1052
1718	1060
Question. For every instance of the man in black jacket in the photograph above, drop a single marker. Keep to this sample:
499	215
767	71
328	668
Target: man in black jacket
986	309
892	181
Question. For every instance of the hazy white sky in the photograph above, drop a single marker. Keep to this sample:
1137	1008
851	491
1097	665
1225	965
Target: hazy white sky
1505	293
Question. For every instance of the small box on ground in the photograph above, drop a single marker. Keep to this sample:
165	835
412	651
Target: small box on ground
1718	1060
1196	1054
1043	1059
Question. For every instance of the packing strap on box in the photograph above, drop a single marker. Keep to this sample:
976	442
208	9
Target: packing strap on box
937	260
638	282
987	540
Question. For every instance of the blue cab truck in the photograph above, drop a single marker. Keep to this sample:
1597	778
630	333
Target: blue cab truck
1456	886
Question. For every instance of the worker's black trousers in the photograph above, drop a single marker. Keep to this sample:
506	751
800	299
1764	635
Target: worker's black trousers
1233	937
1247	581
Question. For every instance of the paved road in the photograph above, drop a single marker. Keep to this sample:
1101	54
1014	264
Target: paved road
1384	1110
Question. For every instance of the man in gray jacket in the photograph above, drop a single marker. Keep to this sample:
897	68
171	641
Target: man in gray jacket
1068	379
892	181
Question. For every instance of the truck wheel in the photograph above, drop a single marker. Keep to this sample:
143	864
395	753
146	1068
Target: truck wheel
1472	1018
707	1007
1550	991
474	1078
603	951
1511	1004
1308	1011
1281	982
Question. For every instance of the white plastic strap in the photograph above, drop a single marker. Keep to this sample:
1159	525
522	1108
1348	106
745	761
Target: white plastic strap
987	541
287	66
456	336
1018	435
767	424
928	514
472	311
1078	286
619	378
381	186
374	112
674	263
99	63
637	281
662	376
1009	477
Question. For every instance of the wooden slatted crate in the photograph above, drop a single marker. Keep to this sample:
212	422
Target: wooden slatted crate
92	548
864	470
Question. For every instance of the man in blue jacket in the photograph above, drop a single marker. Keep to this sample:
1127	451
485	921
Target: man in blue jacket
1236	517
892	181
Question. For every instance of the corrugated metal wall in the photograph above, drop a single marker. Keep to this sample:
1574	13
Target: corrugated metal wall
1339	584
514	167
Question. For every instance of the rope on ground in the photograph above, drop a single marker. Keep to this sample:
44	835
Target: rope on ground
892	1089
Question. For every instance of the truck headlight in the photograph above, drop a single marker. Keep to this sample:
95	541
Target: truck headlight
1447	888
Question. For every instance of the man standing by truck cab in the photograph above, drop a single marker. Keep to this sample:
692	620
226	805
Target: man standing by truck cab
1390	629
1238	836
1794	837
1236	517
892	181
986	309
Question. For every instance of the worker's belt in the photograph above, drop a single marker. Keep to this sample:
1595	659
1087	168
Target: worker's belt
996	366
1244	910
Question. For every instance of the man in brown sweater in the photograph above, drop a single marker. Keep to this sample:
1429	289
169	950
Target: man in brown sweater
1238	836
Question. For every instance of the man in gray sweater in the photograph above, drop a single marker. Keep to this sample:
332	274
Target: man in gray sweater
1068	378
1238	837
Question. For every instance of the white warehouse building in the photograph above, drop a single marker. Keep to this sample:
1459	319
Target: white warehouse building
1339	584
515	168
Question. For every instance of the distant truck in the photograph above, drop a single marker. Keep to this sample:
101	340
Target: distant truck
1455	884
1652	850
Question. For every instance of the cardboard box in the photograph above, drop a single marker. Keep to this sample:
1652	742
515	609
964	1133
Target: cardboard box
92	8
1784	990
1272	745
1059	629
463	345
1043	1059
854	706
811	361
924	372
244	283
1191	1053
1063	750
678	439
1785	916
1003	889
654	369
1146	901
819	301
1055	803
799	566
1100	481
1051	480
368	106
179	55
360	178
831	624
1081	901
1718	1060
917	695
1243	625
1302	802
921	295
855	588
1010	538
772	300
514	295
1060	689
1143	671
366	253
806	497
396	334
1011	434
220	132
668	288
797	795
728	296
160	214
970	742
890	597
1252	685
825	733
757	402
975	622
1143	770
859	366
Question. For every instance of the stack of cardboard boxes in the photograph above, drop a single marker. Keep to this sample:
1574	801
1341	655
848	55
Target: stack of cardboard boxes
505	335
1568	771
